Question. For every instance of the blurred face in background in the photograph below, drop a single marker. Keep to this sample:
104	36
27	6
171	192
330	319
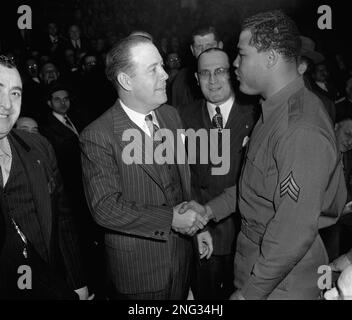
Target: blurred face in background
27	124
60	102
349	89
204	42
173	61
49	73
32	68
89	63
70	57
321	73
52	29
74	32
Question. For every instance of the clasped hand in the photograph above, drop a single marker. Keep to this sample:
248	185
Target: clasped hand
189	217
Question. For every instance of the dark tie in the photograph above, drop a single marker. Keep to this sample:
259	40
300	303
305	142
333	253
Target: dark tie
1	178
217	120
152	126
70	124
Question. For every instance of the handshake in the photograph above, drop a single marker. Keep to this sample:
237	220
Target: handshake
189	217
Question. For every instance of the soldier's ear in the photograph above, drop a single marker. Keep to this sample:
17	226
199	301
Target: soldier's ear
272	58
192	50
220	45
196	76
125	81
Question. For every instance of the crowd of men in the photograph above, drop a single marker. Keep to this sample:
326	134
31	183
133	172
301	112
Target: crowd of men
96	214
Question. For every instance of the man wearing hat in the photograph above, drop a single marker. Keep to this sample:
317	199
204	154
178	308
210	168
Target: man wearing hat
307	61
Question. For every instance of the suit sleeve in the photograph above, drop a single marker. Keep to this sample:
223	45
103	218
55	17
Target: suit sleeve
305	160
103	189
68	236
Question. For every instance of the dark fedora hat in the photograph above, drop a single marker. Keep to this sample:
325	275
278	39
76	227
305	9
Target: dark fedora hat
308	50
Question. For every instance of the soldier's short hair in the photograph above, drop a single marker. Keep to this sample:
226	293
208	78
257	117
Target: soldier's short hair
274	30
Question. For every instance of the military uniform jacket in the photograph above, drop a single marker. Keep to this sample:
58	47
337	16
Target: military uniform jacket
291	185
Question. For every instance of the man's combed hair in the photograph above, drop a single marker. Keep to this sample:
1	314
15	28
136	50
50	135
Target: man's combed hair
118	58
204	30
274	30
7	62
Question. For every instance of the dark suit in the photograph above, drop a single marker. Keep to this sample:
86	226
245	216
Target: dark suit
85	46
52	242
343	110
67	149
144	256
214	279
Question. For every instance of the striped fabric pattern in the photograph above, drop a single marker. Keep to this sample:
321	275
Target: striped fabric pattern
129	201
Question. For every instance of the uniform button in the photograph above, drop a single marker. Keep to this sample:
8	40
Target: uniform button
156	233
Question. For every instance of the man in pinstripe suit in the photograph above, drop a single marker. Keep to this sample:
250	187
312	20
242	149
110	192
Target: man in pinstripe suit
138	203
36	226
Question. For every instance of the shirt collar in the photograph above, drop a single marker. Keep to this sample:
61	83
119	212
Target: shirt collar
59	116
275	101
225	109
139	118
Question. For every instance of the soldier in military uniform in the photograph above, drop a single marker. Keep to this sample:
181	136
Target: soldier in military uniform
292	182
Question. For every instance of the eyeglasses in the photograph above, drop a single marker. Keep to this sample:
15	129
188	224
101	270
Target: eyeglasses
33	66
219	72
174	59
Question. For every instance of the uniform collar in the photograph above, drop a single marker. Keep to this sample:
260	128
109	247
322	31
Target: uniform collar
274	102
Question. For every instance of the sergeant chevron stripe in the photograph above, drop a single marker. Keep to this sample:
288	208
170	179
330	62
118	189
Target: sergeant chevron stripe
290	187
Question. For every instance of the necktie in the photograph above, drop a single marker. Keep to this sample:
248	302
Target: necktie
153	128
217	120
1	178
70	124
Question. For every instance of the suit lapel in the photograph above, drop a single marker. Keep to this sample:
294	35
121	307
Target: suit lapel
122	122
35	172
166	121
205	115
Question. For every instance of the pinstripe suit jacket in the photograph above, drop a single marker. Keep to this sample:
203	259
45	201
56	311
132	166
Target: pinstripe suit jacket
52	234
130	202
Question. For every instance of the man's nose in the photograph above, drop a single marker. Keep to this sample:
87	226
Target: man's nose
5	101
212	78
235	63
164	74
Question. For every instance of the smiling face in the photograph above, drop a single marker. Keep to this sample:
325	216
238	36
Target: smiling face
250	66
213	76
10	99
148	83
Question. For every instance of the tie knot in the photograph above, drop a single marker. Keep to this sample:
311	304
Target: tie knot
149	117
217	109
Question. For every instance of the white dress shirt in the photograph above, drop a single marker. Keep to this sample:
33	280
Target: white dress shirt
225	109
139	118
5	159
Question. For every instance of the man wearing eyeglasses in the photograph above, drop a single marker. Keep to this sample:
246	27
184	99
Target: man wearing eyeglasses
219	109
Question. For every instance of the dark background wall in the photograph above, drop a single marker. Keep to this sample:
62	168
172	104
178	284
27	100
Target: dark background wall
115	18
